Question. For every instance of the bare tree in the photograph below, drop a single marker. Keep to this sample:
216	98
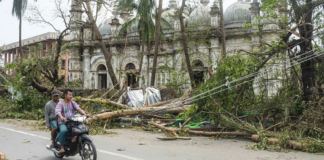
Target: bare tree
223	29
36	16
185	45
98	36
157	42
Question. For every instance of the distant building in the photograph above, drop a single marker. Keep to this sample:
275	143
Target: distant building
11	51
1	61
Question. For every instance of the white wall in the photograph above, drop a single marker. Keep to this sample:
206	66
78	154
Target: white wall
1	60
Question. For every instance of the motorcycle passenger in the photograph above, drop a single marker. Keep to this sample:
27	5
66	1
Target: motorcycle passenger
64	110
51	119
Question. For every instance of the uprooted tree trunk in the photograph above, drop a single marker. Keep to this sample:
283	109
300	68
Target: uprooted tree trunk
291	144
136	111
103	47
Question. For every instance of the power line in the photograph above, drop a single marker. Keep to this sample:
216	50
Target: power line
188	100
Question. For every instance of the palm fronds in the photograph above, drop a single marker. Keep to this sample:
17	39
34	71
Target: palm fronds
18	8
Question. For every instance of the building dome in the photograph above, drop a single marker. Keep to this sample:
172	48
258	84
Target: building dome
168	15
200	16
237	14
105	28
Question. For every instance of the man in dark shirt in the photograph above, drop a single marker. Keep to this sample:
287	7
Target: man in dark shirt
51	119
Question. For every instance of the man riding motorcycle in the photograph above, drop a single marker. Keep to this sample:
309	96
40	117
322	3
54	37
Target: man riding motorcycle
64	110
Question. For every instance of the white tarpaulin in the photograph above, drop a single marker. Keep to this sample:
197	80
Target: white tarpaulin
136	98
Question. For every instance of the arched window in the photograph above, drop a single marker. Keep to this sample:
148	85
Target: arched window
198	74
130	66
131	77
102	67
197	63
102	76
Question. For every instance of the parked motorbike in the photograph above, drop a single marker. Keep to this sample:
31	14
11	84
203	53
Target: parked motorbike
79	140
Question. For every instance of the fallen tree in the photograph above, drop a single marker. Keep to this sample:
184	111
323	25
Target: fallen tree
120	106
200	133
136	111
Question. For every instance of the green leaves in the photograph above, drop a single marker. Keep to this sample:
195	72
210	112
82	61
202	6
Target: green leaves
18	8
99	4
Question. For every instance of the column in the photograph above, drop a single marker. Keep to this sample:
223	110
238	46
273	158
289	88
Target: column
144	72
215	50
47	48
12	60
17	54
9	73
53	45
86	68
255	12
5	62
161	83
66	68
75	65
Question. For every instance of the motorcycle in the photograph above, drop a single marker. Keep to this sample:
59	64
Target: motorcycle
79	140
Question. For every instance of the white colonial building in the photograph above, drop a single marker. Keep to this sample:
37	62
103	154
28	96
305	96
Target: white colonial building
87	63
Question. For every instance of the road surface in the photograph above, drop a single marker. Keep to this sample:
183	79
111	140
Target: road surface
20	144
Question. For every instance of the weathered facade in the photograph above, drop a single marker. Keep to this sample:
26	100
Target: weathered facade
88	64
11	51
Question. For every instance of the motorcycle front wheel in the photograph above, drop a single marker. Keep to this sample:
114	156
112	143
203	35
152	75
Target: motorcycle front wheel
89	152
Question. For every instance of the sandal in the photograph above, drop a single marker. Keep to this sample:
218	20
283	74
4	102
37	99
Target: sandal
52	146
62	150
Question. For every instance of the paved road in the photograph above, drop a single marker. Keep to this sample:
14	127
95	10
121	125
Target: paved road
30	145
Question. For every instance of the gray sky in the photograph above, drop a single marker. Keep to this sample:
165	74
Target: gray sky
9	28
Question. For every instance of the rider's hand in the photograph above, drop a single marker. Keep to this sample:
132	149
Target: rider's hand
50	128
63	119
88	114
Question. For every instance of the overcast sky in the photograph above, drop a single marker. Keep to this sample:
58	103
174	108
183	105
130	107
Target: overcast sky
9	28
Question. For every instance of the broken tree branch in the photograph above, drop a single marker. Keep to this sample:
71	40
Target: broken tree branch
172	131
160	103
109	91
219	133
